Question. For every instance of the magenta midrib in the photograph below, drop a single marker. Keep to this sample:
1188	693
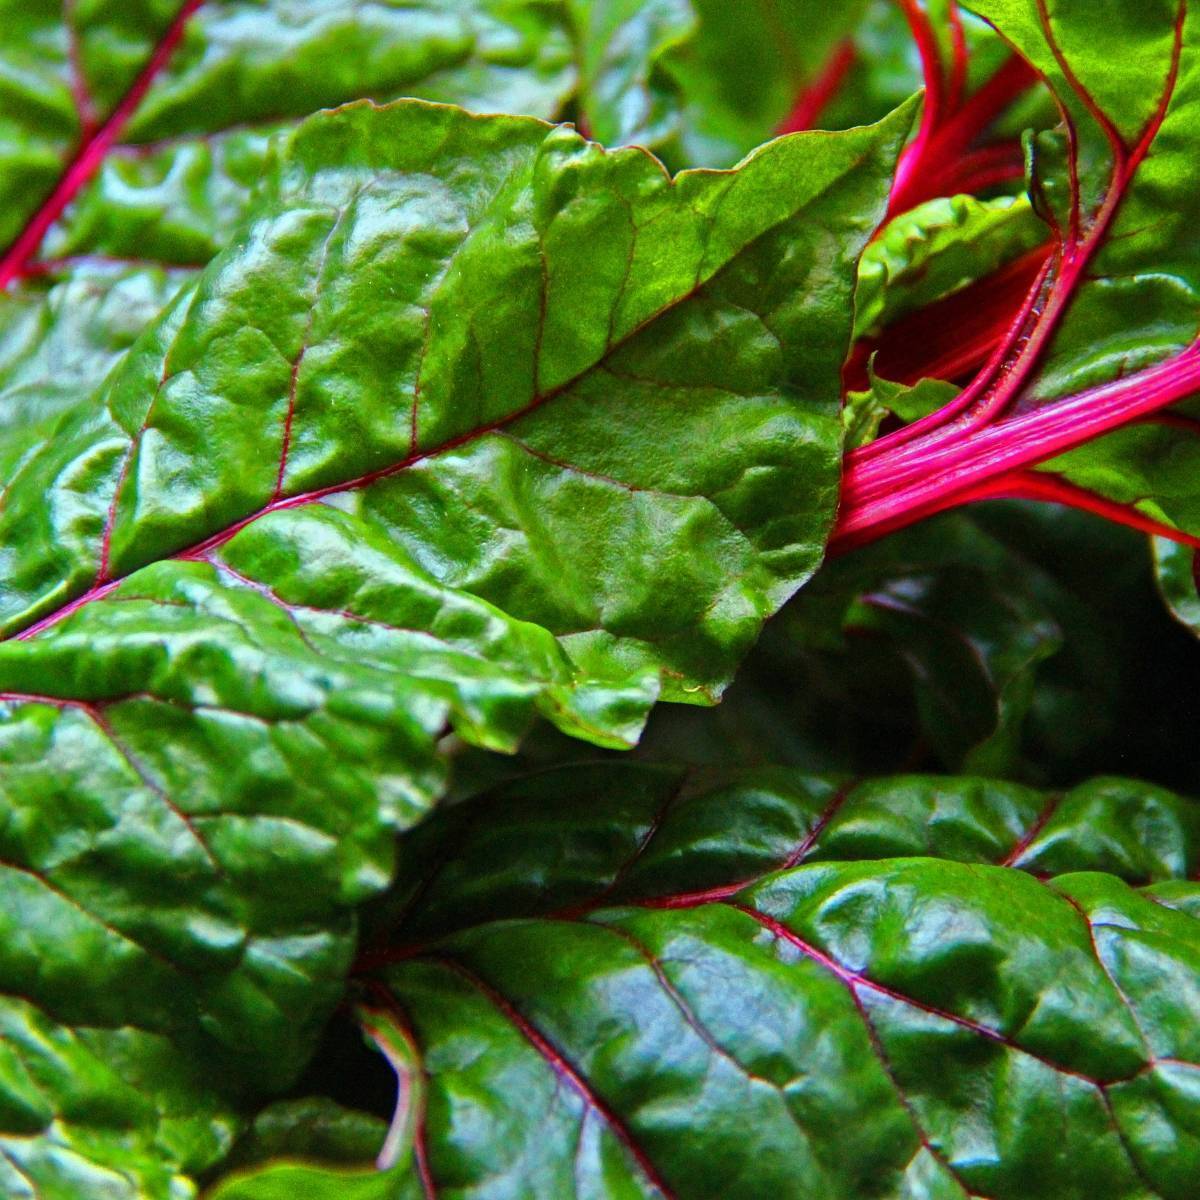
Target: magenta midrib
92	152
564	1070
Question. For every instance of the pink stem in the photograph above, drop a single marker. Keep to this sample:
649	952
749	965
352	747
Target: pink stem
954	471
813	101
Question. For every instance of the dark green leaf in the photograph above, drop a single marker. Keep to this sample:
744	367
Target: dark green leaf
474	420
630	1007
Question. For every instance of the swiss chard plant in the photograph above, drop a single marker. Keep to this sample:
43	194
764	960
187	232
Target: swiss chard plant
413	416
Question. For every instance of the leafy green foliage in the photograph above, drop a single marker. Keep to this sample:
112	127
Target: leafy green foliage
401	519
642	950
367	442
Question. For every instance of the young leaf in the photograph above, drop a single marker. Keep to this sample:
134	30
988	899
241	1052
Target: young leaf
314	1149
685	990
473	420
937	249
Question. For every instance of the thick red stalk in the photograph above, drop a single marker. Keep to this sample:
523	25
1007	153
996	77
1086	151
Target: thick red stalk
978	170
943	460
956	472
915	154
91	154
1010	82
909	440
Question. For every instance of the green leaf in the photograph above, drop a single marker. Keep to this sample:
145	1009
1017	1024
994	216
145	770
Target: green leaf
1176	569
1135	306
865	411
473	421
973	623
630	982
61	335
190	150
936	250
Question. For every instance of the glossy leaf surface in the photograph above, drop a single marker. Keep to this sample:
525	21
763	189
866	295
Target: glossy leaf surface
674	1021
430	446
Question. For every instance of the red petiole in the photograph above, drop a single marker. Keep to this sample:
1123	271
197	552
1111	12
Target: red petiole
985	443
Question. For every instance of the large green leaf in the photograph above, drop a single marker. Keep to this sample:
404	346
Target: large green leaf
135	136
629	981
132	137
474	420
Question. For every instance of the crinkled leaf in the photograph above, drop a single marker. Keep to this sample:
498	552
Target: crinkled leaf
474	420
602	993
937	249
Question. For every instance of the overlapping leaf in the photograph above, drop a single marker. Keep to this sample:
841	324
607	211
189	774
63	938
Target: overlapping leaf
474	420
629	982
937	249
133	137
